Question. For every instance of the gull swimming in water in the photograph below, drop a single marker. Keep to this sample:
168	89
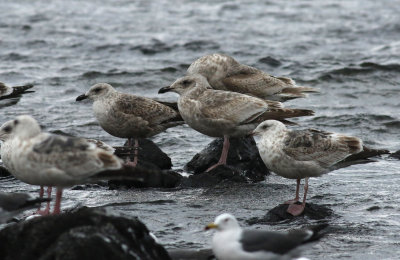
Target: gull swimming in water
301	154
225	73
219	113
10	92
128	116
231	242
46	159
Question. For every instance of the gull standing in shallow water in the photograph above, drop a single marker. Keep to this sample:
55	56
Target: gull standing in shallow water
225	73
218	113
300	154
51	160
129	116
231	242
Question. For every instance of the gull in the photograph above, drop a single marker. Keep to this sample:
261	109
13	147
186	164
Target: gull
12	204
219	113
10	92
46	159
301	154
128	116
231	242
225	73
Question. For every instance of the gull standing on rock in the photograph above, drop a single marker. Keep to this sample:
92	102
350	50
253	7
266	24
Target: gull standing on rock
225	73
218	113
128	116
231	242
52	160
301	154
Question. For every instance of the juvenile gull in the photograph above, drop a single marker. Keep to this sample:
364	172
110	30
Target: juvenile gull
225	73
219	113
10	92
129	116
12	204
52	160
231	242
300	154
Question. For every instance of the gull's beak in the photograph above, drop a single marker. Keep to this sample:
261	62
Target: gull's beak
81	97
210	226
164	89
254	133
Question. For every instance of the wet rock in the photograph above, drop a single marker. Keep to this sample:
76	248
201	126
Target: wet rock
84	234
396	155
150	155
191	254
4	172
145	178
278	214
244	161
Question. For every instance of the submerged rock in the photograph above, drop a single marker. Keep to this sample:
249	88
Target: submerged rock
396	155
191	254
84	234
244	161
4	172
278	214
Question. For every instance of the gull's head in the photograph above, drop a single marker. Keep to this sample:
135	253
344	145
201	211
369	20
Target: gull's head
6	131
21	127
185	84
96	92
223	222
269	126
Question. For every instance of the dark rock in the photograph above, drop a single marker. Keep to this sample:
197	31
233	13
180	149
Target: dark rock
84	234
150	155
373	208
244	161
4	172
396	155
270	61
278	214
191	254
144	178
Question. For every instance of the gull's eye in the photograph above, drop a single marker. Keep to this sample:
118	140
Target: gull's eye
97	90
7	129
264	127
16	122
186	82
226	220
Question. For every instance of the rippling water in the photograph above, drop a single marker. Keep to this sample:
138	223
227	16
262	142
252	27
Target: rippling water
350	50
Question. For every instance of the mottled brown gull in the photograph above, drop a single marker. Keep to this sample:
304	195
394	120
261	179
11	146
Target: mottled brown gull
218	113
45	159
231	242
225	73
10	92
129	116
300	154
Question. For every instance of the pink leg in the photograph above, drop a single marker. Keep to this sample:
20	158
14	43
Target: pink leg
46	211
296	209
224	154
135	158
296	199
57	205
41	192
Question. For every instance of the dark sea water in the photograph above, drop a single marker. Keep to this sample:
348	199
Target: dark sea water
350	50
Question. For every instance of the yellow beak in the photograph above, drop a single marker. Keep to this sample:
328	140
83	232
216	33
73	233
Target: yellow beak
210	226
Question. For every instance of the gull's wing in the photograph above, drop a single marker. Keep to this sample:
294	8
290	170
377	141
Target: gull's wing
324	147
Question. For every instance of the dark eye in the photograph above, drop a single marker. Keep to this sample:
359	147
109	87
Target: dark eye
7	129
186	82
226	220
264	127
97	90
16	122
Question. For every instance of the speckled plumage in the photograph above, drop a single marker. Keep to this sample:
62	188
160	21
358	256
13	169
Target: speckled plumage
299	154
128	116
217	113
225	73
51	160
